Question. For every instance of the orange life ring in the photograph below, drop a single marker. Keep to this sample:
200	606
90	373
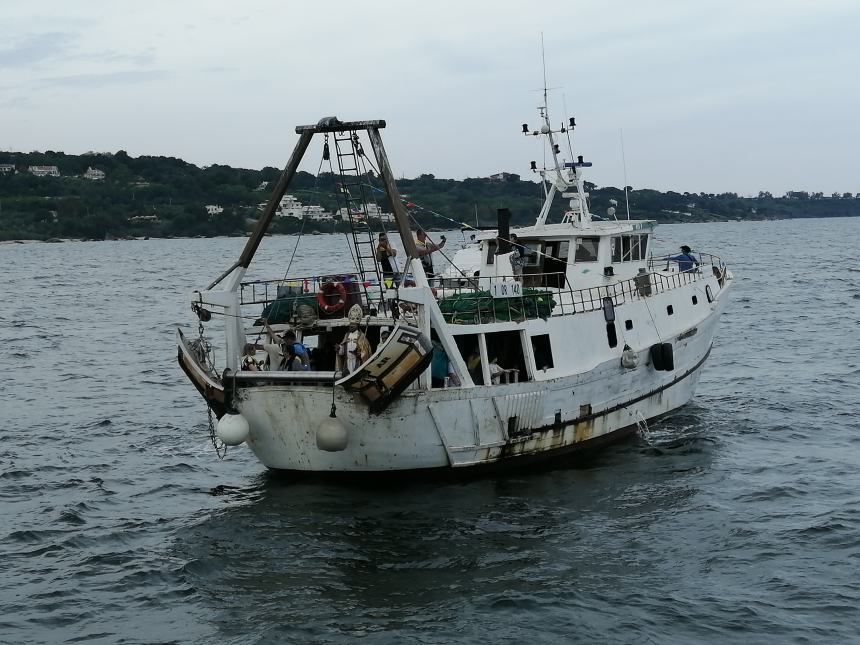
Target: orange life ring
327	290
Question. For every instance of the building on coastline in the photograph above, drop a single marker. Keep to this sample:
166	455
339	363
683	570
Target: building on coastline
373	212
143	218
214	209
94	174
7	169
502	176
44	171
292	207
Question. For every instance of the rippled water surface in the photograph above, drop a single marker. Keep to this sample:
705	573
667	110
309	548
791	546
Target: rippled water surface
735	520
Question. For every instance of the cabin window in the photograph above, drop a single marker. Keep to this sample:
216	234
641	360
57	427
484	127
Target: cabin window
628	248
542	351
586	249
505	355
628	325
532	253
695	300
471	353
555	264
492	245
670	309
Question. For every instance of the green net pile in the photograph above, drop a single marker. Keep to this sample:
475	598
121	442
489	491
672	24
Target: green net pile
480	307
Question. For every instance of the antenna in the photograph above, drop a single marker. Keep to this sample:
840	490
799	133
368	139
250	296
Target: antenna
624	164
543	61
567	130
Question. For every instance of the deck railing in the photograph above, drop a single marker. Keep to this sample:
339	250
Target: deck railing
470	301
665	262
293	291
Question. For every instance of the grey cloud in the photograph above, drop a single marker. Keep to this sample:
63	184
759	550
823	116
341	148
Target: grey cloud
35	48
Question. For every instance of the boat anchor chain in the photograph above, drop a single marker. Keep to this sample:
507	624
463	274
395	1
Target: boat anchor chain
206	349
220	446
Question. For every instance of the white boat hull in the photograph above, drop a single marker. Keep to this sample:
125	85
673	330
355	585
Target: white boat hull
467	427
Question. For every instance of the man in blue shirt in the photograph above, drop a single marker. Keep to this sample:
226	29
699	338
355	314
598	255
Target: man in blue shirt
686	261
295	354
441	368
285	353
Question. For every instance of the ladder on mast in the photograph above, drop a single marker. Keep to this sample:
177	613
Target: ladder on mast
354	192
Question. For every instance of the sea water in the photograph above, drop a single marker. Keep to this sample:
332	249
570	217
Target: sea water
736	519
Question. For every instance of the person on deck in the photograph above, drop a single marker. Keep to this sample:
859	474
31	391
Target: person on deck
518	258
249	358
285	353
686	261
425	250
383	336
473	364
442	373
384	255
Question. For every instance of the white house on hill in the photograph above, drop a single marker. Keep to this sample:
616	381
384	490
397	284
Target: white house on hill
44	171
94	174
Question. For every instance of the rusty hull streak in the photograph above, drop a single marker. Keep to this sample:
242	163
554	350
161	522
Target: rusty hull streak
689	333
552	437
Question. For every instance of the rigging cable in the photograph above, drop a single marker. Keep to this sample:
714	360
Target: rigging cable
307	210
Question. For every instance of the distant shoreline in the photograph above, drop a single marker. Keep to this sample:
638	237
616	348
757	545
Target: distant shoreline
315	233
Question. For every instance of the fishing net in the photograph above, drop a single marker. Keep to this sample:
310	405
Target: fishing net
481	307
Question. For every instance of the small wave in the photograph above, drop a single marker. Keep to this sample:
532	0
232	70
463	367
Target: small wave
769	494
16	474
181	467
71	517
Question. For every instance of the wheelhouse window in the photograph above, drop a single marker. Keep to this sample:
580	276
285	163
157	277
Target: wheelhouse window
505	355
492	245
586	249
629	248
542	352
532	254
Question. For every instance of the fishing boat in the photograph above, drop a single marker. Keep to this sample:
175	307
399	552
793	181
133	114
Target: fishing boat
568	336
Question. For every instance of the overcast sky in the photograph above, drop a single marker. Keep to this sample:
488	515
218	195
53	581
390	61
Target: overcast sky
736	96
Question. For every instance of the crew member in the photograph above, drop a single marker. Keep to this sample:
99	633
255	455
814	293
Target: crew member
385	256
285	353
686	261
425	250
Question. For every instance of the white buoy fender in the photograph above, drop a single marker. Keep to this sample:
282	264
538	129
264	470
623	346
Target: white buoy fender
232	429
332	435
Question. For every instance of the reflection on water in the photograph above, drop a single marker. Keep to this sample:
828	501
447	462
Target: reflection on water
362	558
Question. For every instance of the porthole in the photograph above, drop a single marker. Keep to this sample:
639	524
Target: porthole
670	310
628	325
695	300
